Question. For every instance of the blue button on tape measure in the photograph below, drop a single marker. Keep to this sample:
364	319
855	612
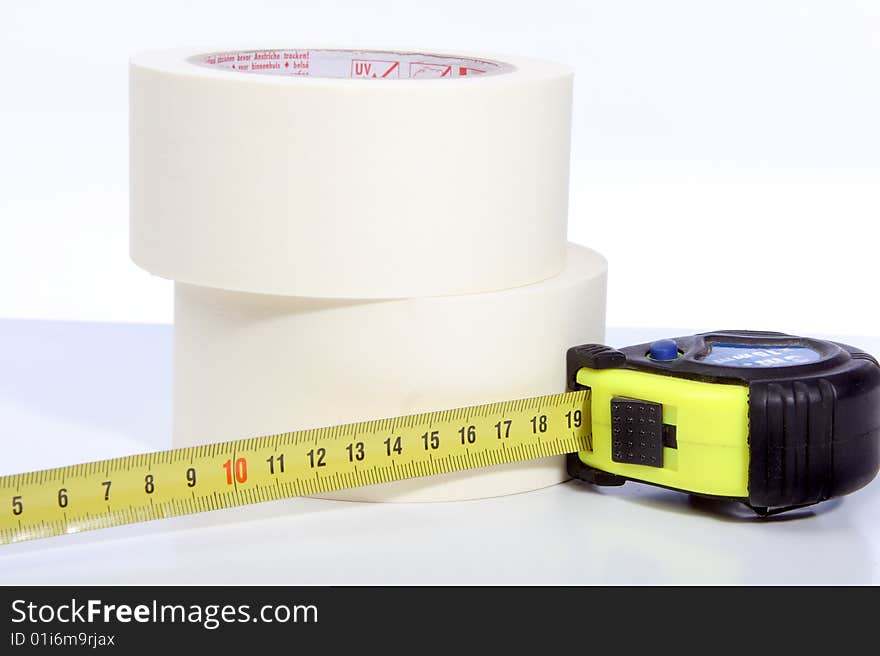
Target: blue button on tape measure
663	350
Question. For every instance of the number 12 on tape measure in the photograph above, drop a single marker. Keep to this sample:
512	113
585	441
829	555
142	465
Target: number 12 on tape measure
197	479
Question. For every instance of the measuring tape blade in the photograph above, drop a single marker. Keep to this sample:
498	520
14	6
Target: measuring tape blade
197	479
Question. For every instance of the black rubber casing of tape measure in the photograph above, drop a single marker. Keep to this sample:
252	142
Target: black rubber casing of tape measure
814	429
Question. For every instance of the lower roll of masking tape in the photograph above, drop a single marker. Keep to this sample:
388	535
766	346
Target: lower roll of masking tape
255	364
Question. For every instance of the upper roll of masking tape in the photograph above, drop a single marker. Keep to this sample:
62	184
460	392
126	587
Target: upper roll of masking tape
349	174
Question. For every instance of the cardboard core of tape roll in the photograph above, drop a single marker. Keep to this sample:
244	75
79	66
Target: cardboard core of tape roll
254	364
352	64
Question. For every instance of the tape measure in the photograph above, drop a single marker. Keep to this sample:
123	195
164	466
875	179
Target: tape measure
196	479
771	420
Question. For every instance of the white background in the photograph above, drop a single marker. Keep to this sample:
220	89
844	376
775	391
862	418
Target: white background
726	155
725	158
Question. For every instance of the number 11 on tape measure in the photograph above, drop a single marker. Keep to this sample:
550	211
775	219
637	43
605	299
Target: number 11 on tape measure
196	479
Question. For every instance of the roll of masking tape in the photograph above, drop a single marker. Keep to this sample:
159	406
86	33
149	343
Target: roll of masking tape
349	174
255	364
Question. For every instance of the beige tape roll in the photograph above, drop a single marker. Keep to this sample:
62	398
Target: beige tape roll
252	364
349	174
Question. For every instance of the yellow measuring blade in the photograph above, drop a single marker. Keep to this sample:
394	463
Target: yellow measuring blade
197	479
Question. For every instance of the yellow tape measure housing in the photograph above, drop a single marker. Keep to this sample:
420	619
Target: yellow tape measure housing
197	479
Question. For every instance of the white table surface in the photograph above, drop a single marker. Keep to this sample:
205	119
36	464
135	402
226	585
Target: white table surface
71	392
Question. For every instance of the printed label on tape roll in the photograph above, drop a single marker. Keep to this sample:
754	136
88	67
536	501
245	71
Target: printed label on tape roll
367	64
